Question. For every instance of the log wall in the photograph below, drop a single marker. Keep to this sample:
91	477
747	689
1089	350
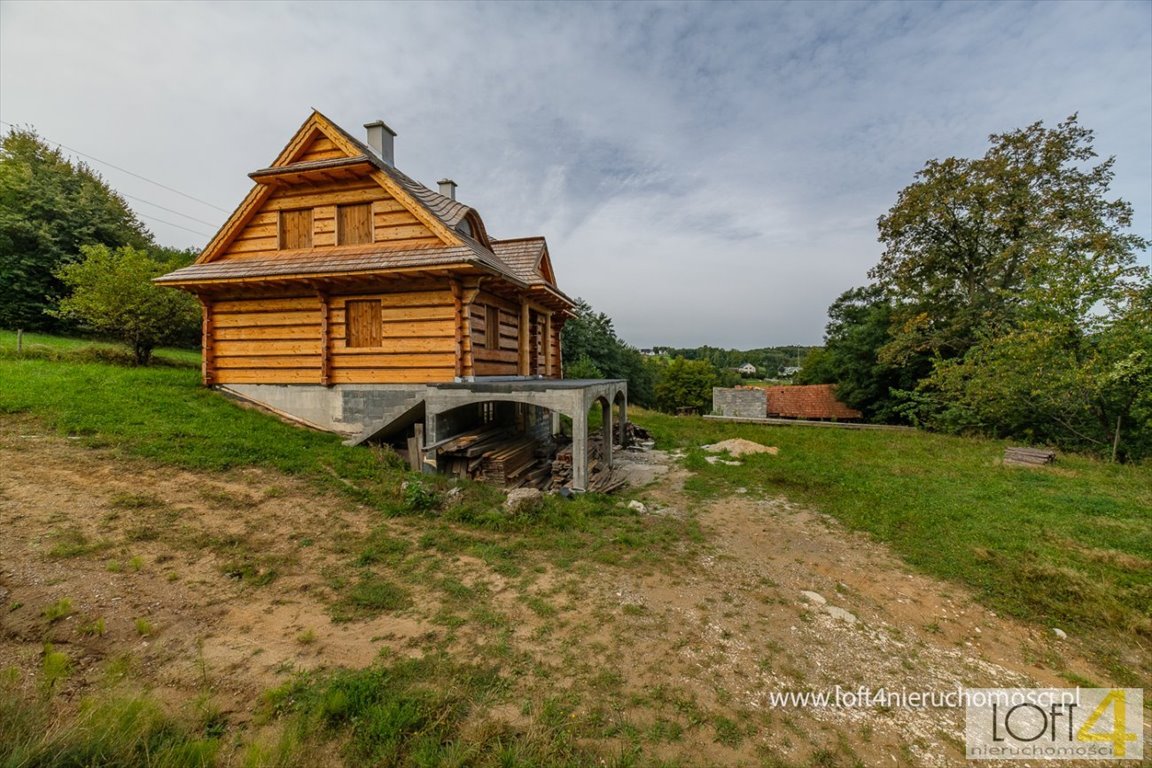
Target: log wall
503	361
392	223
262	340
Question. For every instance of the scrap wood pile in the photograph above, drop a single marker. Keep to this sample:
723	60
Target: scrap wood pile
498	455
1037	456
495	455
635	435
601	478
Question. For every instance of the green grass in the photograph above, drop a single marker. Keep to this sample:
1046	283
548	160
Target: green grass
110	730
422	712
1068	545
44	346
61	609
163	414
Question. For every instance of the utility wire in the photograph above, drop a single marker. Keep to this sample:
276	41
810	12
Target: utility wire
170	210
125	170
172	224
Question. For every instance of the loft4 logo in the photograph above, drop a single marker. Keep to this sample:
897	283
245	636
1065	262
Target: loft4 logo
1117	734
1054	723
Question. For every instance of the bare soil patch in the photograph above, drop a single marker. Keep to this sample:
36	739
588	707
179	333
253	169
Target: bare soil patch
235	576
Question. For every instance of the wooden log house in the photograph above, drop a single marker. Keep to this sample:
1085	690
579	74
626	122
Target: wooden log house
341	292
339	269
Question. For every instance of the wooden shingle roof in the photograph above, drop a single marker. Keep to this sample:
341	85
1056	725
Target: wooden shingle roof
319	262
522	256
526	264
444	208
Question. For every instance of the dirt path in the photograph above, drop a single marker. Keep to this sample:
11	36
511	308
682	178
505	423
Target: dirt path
223	584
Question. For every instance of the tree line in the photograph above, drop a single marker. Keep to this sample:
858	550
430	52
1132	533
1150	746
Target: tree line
74	257
1008	301
591	349
770	362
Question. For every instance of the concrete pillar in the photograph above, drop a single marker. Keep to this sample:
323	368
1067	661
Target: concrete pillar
607	433
622	428
580	449
428	463
555	422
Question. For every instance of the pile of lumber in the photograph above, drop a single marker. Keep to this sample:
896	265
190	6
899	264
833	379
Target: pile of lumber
1028	456
601	478
503	465
500	456
496	455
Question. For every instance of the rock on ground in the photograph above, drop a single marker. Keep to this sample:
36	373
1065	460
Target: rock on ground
518	497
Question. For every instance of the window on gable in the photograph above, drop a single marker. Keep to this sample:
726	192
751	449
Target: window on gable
492	327
363	325
296	229
354	224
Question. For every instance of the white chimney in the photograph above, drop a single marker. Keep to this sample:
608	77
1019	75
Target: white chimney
447	188
380	138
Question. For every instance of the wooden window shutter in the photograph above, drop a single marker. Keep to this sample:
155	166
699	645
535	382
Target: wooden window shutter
354	224
296	229
363	324
492	327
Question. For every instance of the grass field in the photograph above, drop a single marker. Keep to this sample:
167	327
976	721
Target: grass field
1066	546
163	414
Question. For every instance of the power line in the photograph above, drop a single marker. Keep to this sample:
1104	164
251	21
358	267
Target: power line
125	170
172	224
170	210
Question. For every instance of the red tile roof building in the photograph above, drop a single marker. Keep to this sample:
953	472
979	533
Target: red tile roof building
808	401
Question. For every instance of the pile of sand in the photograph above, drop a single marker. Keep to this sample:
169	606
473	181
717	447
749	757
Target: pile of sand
738	446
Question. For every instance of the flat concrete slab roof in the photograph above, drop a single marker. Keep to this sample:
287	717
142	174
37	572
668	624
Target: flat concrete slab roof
508	386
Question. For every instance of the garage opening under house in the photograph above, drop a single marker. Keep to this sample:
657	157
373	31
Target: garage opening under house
350	297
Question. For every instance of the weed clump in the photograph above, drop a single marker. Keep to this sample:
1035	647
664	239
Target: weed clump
421	498
61	609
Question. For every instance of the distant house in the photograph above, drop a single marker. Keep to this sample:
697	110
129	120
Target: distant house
789	371
747	370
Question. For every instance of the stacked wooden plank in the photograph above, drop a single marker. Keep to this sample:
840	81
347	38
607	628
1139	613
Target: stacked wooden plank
501	456
601	478
493	454
508	462
1035	456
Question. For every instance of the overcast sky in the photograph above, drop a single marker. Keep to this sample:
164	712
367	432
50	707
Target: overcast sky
704	173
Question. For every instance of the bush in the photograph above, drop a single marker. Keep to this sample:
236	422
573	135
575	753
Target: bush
686	384
113	293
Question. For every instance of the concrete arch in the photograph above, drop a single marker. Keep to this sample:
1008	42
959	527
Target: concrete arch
571	397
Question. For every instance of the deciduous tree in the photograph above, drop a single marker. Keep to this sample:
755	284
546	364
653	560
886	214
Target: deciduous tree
686	384
590	345
859	324
112	293
49	208
1026	232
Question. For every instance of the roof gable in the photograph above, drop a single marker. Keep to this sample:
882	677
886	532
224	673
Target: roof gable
322	169
318	146
528	258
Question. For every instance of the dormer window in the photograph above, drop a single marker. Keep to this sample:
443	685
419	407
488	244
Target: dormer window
295	229
466	227
354	224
